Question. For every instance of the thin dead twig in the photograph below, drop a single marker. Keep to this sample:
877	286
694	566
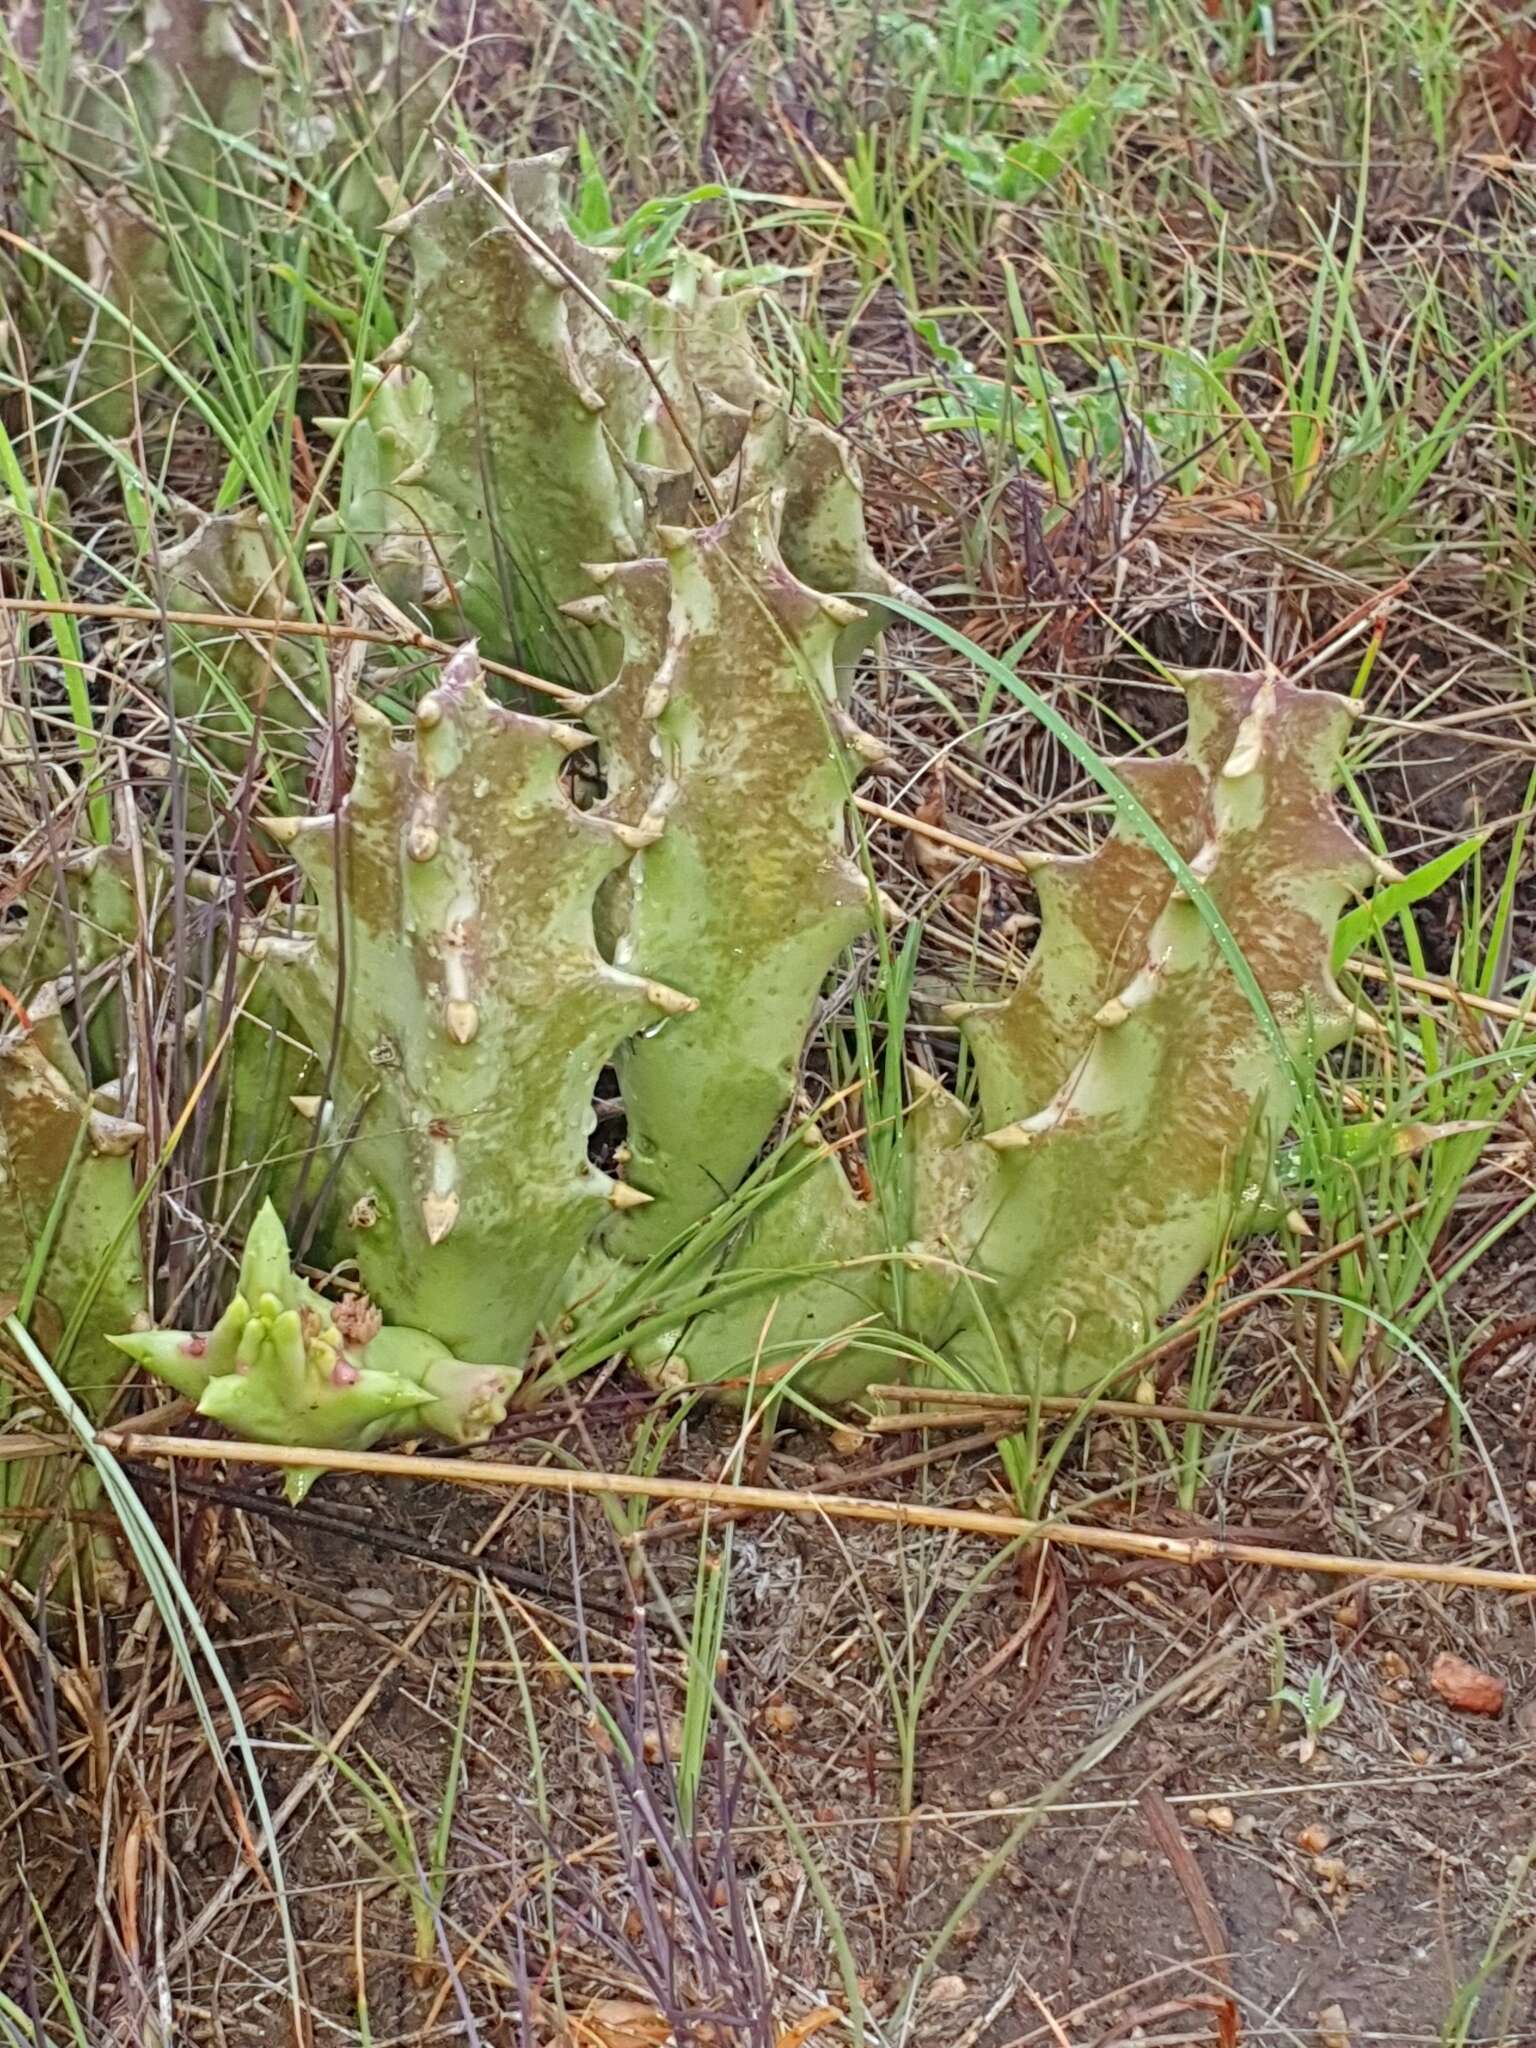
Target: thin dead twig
1165	1831
253	625
705	1493
372	1536
962	1409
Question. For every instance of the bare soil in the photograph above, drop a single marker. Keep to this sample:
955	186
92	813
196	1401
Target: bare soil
1369	1878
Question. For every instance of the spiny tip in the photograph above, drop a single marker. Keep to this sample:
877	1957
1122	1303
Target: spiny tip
672	1000
866	745
111	1137
439	1213
1030	1130
461	1020
636	837
367	717
589	611
272	946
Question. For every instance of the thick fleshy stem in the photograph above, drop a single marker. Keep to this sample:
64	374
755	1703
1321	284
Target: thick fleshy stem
453	929
1132	1091
730	759
536	416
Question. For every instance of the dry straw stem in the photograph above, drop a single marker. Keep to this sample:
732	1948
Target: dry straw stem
844	1507
298	629
1418	984
963	1408
992	856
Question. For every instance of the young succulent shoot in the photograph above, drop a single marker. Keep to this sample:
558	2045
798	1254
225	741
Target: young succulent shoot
286	1365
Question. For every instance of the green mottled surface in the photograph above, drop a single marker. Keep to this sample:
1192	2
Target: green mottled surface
514	436
239	685
82	912
1132	1098
533	409
454	896
745	895
53	1137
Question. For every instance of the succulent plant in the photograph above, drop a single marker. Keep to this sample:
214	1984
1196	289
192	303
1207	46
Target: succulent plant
452	954
606	484
537	417
1131	1093
239	686
27	511
492	452
727	754
724	747
83	910
66	1165
187	67
70	1259
285	1365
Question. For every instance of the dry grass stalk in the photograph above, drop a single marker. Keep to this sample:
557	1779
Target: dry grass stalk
703	1493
